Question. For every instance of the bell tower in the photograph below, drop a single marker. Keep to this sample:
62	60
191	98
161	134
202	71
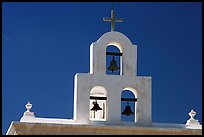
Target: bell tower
110	99
97	95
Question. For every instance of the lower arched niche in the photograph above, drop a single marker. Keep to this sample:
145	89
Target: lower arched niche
129	102
98	104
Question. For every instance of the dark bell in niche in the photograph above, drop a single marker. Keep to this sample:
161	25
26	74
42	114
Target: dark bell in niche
96	107
113	65
127	111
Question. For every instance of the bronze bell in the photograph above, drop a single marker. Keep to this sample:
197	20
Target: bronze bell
127	111
113	65
96	106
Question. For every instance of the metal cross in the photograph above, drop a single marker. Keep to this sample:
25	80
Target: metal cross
113	20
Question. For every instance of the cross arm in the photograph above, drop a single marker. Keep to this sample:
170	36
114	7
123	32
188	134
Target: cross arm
107	19
119	20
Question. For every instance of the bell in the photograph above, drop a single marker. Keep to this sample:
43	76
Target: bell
127	111
113	65
96	106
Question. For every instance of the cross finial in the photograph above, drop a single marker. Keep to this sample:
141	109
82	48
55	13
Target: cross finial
113	19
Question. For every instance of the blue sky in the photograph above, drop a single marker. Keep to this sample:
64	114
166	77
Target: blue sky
45	44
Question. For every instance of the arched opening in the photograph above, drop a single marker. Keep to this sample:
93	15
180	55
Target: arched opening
98	103
128	105
113	60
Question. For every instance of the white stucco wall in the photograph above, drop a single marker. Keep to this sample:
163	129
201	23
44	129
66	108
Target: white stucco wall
114	84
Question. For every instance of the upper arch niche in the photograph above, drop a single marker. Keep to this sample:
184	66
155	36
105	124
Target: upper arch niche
98	53
113	60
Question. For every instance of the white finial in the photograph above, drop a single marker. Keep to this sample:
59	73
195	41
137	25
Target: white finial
192	123
28	116
28	106
192	114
